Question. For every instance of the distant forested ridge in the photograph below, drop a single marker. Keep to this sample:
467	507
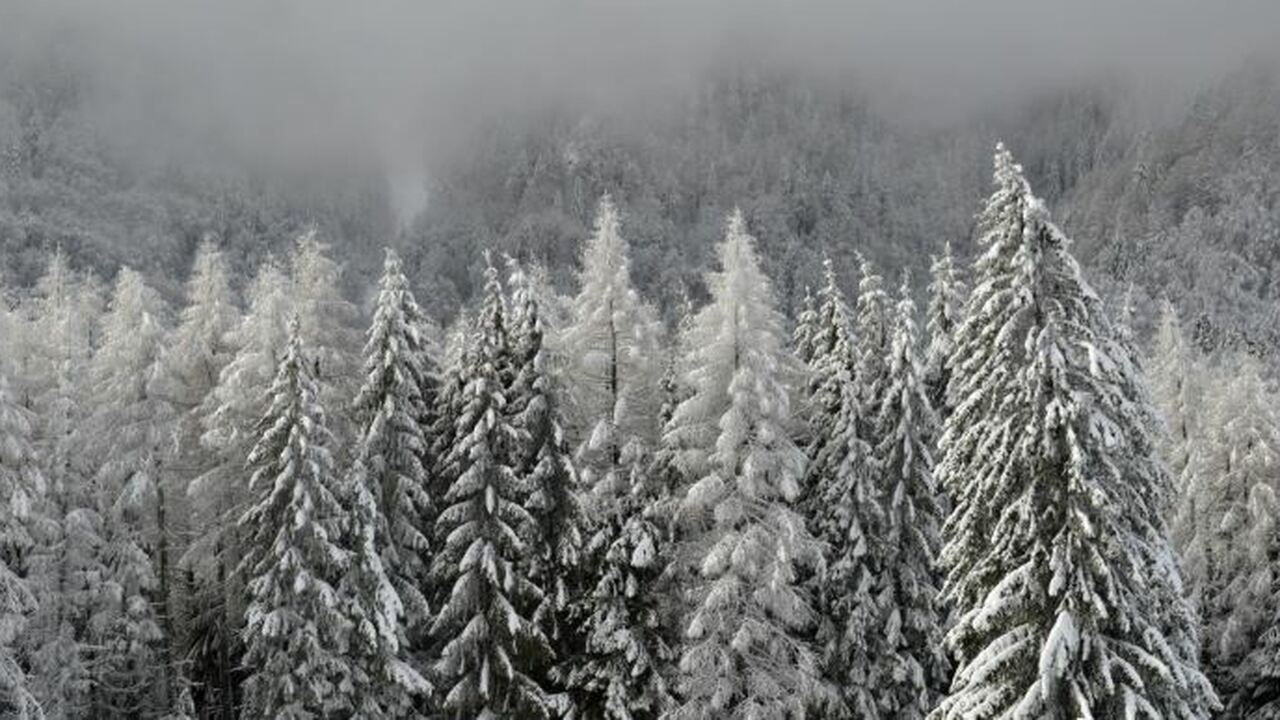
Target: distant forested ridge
1180	203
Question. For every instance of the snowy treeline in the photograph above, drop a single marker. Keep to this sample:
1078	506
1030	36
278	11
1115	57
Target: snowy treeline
559	507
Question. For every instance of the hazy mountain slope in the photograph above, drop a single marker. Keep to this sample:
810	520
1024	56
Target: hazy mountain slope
1186	206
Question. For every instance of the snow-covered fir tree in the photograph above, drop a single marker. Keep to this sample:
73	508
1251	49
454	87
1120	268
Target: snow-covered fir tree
946	301
219	495
1232	547
1176	377
328	323
298	627
914	671
843	510
192	363
449	403
606	651
395	408
53	325
21	499
491	650
612	343
384	684
745	655
201	346
65	562
128	436
627	656
802	337
1056	549
873	328
555	557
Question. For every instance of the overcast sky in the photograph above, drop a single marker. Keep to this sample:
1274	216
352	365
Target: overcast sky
395	76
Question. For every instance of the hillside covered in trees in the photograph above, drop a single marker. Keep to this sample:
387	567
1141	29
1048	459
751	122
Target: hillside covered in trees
360	371
560	506
1178	202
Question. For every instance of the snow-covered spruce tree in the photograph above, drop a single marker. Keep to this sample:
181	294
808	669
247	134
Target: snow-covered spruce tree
328	323
21	498
219	496
607	645
128	436
448	407
1056	545
1175	387
391	457
55	328
491	650
202	343
1234	545
192	362
842	508
201	346
914	671
298	630
622	674
873	329
613	350
802	337
745	656
946	301
384	684
611	344
65	563
555	558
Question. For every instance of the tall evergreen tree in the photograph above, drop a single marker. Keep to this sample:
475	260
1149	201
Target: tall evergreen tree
946	301
392	455
914	671
220	494
745	655
612	344
842	506
193	360
555	559
1233	545
128	436
65	563
21	498
1176	379
874	330
449	404
1055	550
327	321
383	684
298	628
802	337
491	649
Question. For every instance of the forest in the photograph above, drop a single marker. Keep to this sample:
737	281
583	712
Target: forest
560	506
667	362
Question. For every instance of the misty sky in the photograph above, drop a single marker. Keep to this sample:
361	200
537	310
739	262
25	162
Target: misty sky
395	77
